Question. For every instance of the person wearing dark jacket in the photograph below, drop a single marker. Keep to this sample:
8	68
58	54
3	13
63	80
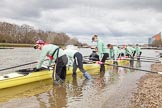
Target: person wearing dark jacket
94	56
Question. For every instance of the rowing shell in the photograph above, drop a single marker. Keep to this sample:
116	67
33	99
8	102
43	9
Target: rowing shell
25	76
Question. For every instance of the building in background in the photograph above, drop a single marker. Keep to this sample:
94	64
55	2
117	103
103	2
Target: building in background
150	40
155	40
157	37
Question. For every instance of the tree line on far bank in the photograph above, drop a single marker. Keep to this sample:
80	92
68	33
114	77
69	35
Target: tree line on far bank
25	34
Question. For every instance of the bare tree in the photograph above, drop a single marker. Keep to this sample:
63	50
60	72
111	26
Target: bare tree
12	33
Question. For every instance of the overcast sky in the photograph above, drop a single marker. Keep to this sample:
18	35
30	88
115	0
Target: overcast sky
115	21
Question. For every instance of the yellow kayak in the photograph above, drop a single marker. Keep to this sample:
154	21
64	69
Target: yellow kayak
20	78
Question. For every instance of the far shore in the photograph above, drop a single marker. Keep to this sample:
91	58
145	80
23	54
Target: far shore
10	45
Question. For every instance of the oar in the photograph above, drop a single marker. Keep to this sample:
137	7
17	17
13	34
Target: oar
20	65
143	60
85	56
149	57
134	68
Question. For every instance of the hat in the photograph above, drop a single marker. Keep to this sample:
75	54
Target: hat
40	42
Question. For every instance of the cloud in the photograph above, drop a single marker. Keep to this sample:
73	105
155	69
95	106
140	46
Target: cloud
115	20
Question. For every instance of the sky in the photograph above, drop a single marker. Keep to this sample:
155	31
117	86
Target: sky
114	21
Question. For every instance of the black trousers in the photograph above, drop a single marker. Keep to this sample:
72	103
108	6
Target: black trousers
61	67
102	66
134	52
138	56
122	54
78	62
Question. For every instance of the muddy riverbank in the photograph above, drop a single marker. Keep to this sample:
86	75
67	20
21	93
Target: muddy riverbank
149	90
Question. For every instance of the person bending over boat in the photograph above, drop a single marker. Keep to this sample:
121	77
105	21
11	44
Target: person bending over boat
121	52
102	51
138	52
129	51
76	58
54	53
114	53
94	56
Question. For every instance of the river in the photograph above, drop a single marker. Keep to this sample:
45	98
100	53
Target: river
113	89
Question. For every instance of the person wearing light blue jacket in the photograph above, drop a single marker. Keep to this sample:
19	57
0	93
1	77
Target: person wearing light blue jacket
102	51
129	51
138	51
56	54
76	58
114	52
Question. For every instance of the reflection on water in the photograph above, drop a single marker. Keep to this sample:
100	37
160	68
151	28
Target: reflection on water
55	98
76	92
138	64
110	89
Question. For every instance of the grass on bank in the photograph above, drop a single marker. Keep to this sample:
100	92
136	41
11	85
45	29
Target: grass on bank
10	45
15	45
